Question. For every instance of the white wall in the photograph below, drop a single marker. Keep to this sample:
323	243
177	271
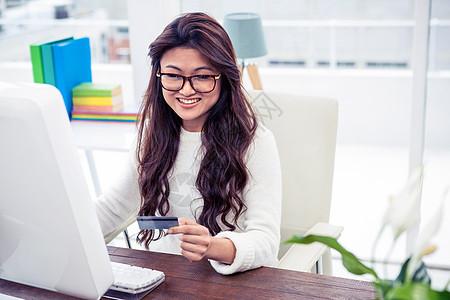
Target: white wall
374	106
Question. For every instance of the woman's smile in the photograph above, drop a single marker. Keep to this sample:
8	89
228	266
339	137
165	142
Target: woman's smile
188	100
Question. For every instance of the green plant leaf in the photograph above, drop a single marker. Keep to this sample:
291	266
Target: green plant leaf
416	291
349	260
383	286
420	274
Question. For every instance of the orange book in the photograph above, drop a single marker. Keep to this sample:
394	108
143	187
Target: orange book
100	108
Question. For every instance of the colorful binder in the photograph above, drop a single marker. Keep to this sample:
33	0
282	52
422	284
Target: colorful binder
37	58
123	116
47	60
72	62
129	114
36	61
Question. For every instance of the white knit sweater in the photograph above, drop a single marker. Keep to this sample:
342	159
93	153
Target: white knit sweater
257	237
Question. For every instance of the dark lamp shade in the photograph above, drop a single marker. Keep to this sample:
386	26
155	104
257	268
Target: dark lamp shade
246	34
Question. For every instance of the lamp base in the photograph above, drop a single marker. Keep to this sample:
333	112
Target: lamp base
253	73
254	77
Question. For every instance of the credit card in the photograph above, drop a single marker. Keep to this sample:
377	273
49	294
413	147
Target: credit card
146	222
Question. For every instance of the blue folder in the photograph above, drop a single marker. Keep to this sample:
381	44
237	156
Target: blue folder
72	63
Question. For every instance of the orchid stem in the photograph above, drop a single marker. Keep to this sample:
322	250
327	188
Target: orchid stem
375	244
388	255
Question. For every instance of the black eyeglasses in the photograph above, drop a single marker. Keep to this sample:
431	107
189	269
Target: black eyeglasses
200	83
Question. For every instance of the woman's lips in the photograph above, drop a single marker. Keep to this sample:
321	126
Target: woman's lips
188	101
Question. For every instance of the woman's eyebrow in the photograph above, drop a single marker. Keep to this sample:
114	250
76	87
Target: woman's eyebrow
173	67
203	68
195	70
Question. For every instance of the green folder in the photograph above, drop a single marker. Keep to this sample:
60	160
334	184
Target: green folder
36	61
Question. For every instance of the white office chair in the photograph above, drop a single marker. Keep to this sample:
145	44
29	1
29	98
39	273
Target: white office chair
305	131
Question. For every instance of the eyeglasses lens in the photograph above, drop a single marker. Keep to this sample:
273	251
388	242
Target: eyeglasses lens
201	84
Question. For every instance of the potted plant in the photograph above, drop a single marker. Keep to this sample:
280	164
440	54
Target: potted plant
413	282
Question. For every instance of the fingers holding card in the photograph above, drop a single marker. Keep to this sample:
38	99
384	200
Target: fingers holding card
195	239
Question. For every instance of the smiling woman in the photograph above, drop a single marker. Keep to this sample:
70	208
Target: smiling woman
201	155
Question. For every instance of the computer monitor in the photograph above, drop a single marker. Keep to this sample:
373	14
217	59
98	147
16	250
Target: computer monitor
50	236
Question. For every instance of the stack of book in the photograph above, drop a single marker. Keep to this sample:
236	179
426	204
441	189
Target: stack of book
100	102
63	63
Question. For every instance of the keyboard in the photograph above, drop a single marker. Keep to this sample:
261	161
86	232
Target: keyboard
134	280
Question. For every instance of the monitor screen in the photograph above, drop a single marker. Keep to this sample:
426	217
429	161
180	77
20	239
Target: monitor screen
49	233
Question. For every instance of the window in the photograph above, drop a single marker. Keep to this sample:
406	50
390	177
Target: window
305	33
23	22
338	34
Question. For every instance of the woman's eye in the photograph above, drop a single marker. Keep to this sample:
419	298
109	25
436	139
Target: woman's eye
173	76
203	76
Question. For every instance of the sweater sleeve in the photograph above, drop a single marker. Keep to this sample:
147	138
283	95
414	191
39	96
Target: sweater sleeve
258	243
120	203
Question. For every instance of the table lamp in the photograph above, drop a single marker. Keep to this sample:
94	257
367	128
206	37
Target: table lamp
246	34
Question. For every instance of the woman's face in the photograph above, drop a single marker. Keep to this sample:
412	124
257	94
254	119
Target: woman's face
191	106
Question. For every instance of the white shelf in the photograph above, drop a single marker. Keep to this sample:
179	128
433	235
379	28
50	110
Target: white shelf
106	136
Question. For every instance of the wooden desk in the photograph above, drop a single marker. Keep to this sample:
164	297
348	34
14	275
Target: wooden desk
198	280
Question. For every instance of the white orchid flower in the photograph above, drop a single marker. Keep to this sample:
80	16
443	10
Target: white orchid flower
403	211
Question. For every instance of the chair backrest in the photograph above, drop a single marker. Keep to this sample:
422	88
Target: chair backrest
305	131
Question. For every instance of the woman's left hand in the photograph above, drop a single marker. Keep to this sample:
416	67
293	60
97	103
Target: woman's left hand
195	239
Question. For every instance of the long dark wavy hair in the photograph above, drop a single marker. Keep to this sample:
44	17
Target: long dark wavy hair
226	135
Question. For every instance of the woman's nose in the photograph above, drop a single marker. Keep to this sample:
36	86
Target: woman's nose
187	88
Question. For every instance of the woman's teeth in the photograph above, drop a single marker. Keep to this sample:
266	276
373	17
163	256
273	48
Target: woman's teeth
188	101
